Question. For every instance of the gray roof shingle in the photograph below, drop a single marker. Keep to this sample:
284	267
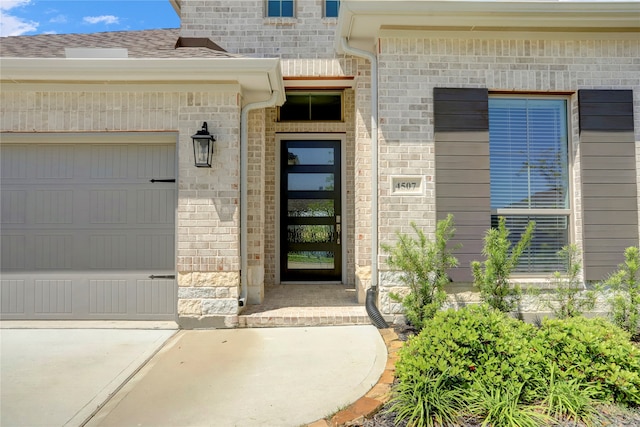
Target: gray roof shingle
140	44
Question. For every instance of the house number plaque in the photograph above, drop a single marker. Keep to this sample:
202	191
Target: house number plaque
403	185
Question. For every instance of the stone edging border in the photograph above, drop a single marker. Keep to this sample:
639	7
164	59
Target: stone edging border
370	403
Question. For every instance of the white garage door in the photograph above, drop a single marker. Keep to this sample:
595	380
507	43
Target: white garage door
85	233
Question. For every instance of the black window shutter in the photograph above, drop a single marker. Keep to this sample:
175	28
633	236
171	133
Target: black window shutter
609	189
461	123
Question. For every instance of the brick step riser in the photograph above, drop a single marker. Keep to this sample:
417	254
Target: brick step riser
258	322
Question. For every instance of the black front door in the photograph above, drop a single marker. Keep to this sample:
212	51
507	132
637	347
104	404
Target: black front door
310	211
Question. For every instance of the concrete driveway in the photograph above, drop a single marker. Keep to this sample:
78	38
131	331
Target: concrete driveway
60	375
243	377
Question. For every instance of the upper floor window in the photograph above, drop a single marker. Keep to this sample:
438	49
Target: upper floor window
280	8
308	106
331	8
529	168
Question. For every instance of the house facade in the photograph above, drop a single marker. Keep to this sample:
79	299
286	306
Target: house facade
396	113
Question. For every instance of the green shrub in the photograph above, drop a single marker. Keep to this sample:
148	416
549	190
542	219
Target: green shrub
511	373
424	264
625	285
475	343
594	353
492	276
569	297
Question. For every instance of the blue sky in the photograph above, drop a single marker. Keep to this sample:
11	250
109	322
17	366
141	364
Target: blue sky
28	17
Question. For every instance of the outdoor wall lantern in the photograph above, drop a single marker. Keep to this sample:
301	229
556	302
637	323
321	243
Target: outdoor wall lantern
203	147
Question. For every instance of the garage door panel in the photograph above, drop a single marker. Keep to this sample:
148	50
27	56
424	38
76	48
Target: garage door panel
153	206
107	297
55	161
110	161
12	296
155	161
53	206
83	228
14	163
108	252
155	296
13	249
53	251
53	297
108	206
14	204
154	251
73	296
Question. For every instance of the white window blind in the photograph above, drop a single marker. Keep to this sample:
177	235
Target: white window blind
529	175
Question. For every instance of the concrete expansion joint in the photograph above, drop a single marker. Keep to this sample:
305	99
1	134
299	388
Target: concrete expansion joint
369	404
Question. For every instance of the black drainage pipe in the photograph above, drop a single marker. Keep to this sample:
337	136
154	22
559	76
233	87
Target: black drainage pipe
372	310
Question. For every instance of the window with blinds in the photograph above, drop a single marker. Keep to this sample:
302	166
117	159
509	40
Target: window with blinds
529	165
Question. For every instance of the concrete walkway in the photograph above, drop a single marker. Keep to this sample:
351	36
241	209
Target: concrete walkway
59	377
250	377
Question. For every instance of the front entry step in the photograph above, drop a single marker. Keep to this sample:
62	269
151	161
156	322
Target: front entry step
305	305
305	316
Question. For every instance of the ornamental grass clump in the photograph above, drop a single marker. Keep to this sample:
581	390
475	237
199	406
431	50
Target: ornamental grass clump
569	399
428	401
502	406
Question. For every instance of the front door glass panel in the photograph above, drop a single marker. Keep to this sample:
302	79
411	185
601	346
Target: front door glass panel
310	207
311	181
310	228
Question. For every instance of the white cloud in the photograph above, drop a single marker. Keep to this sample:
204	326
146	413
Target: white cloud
59	19
11	25
106	19
10	4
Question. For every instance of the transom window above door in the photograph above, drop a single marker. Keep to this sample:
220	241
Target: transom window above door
311	106
280	8
528	143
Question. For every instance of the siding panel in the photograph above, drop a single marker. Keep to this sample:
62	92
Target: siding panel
609	185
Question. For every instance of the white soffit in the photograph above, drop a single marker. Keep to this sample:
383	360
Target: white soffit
362	21
257	77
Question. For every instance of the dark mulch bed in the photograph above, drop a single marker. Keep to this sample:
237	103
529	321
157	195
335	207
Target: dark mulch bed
618	419
610	417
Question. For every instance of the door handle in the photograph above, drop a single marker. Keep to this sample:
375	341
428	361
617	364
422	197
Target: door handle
338	228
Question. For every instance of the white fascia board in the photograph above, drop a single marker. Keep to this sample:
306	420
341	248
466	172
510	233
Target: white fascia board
142	137
177	6
257	77
361	21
